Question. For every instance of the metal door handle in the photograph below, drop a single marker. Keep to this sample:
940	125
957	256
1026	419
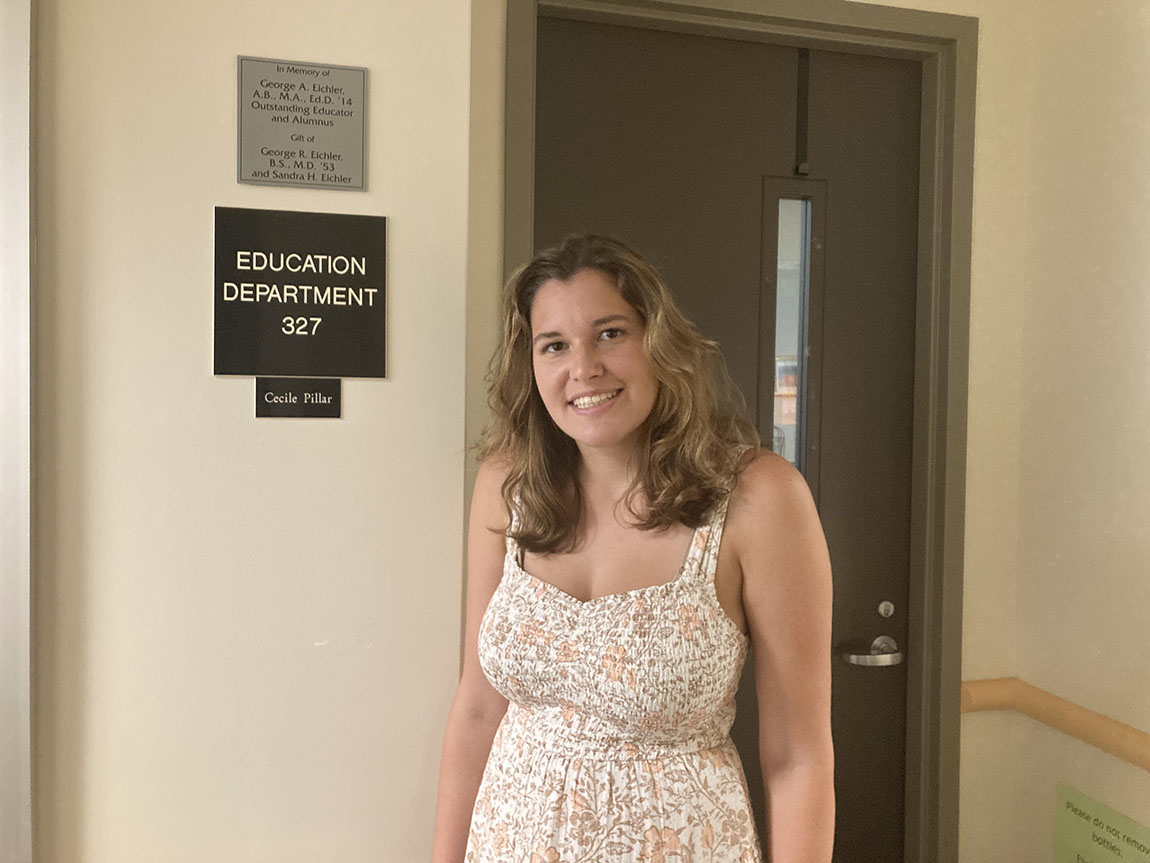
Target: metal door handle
883	651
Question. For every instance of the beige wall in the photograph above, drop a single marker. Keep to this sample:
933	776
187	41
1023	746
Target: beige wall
247	630
485	204
1084	528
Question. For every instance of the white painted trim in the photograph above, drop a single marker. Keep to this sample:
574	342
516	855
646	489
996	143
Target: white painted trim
15	431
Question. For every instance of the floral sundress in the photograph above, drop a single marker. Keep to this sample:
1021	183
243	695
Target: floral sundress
616	746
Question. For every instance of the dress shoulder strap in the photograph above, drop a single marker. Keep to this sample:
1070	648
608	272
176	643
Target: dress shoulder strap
714	537
514	552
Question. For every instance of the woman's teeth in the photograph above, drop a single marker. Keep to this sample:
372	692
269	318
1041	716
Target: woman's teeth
591	401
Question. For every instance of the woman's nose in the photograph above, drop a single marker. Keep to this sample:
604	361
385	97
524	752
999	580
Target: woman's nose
585	363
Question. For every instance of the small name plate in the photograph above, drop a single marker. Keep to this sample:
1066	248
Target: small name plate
297	397
301	124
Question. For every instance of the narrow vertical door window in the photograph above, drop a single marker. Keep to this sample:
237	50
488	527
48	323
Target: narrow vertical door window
791	343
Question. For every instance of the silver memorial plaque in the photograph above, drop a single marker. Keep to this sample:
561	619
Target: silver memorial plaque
301	124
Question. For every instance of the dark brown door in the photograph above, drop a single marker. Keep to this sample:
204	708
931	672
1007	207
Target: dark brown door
683	146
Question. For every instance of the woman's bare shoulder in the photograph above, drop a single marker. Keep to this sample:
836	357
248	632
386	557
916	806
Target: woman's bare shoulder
764	473
769	496
494	470
487	497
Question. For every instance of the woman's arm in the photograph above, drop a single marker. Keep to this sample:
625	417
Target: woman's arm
787	601
477	707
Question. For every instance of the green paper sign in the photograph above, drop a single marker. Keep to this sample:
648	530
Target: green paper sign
1085	831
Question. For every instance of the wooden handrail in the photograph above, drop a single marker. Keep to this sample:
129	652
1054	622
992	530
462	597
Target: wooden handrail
1009	693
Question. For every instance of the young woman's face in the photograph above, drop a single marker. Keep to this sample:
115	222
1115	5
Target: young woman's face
591	366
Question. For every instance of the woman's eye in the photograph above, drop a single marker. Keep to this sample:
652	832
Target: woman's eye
553	347
610	334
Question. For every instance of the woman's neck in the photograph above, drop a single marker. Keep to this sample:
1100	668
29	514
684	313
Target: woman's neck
606	475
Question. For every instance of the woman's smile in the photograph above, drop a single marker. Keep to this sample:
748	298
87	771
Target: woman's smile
594	400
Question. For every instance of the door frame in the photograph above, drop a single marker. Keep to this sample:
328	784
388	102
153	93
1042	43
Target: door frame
16	249
946	46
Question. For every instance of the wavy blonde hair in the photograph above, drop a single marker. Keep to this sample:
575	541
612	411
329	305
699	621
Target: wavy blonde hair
696	436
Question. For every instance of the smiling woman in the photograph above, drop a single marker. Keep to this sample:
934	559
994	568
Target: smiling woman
607	618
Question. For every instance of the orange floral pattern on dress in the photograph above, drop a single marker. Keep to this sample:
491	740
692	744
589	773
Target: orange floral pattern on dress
688	621
616	746
618	666
532	632
568	651
657	844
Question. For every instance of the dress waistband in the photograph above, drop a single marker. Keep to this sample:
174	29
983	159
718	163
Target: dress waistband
556	731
